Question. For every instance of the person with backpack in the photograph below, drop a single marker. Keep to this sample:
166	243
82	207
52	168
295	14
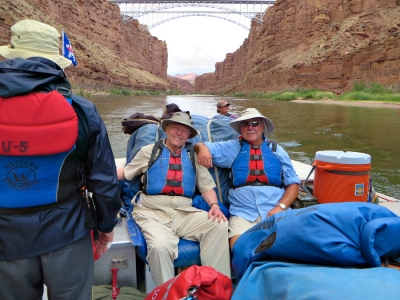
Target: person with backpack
164	210
264	181
53	146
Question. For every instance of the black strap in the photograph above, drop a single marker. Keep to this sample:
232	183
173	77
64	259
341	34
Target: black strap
190	149
174	183
256	172
255	157
305	188
257	183
175	167
27	210
153	158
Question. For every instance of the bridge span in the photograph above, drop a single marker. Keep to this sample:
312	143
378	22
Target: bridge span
153	13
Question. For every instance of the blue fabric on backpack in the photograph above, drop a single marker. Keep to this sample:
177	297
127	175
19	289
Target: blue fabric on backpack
288	281
30	181
343	234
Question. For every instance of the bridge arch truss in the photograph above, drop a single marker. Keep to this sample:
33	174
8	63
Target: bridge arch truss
153	13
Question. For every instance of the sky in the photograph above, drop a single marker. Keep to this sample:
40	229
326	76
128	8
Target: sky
196	43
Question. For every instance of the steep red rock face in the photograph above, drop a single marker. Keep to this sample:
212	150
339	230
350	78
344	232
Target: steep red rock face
314	44
191	76
108	52
181	84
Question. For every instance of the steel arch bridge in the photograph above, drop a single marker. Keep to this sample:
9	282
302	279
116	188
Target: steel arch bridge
153	13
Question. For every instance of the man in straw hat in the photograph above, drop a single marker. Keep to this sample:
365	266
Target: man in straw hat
223	109
164	210
53	145
263	178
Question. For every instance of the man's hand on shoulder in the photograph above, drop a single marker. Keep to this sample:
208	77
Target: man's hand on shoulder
204	157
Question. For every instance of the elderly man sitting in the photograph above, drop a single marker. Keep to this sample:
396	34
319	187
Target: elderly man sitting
264	181
164	211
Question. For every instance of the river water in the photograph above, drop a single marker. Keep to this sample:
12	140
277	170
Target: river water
302	129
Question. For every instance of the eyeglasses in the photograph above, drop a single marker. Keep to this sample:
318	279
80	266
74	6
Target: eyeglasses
252	124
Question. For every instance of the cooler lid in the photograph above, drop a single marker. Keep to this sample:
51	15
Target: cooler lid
342	157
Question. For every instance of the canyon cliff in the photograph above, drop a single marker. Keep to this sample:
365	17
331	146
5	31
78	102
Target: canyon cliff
108	52
327	45
180	84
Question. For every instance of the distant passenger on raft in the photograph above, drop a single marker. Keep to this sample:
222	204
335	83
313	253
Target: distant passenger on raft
264	181
223	109
164	211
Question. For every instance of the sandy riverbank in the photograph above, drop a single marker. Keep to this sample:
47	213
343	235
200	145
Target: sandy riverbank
376	104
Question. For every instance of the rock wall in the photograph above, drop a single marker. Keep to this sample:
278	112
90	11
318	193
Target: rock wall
179	84
108	52
314	44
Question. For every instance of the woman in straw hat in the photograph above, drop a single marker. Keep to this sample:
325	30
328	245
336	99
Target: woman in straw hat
165	212
263	178
53	143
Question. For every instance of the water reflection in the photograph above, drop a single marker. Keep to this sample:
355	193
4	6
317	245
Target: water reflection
302	129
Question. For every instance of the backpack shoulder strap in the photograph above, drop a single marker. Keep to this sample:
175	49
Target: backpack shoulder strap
189	148
272	145
153	158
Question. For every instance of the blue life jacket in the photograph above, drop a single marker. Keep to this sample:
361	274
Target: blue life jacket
241	166
159	167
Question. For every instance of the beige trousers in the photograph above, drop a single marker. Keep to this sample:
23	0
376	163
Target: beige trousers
238	225
162	242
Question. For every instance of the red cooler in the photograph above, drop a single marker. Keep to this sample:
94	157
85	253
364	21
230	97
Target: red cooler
341	176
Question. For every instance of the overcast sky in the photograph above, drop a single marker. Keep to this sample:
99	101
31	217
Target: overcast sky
195	44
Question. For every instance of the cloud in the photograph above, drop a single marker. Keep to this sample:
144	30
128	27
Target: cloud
195	44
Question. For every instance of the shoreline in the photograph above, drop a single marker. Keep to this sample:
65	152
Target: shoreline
373	104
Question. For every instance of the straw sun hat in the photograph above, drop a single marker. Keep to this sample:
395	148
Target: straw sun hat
34	39
252	113
181	118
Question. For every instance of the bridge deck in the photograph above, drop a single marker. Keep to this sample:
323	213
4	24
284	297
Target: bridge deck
200	1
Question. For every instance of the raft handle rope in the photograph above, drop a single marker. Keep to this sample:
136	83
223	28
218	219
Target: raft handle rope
215	168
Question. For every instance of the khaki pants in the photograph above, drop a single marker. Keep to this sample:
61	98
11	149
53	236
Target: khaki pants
238	225
162	242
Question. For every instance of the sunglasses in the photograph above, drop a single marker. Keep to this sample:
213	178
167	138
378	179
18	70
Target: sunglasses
252	124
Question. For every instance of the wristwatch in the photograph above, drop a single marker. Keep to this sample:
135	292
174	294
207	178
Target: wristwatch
283	206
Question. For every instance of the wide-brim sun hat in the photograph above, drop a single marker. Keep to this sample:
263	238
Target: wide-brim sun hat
31	38
181	118
252	113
